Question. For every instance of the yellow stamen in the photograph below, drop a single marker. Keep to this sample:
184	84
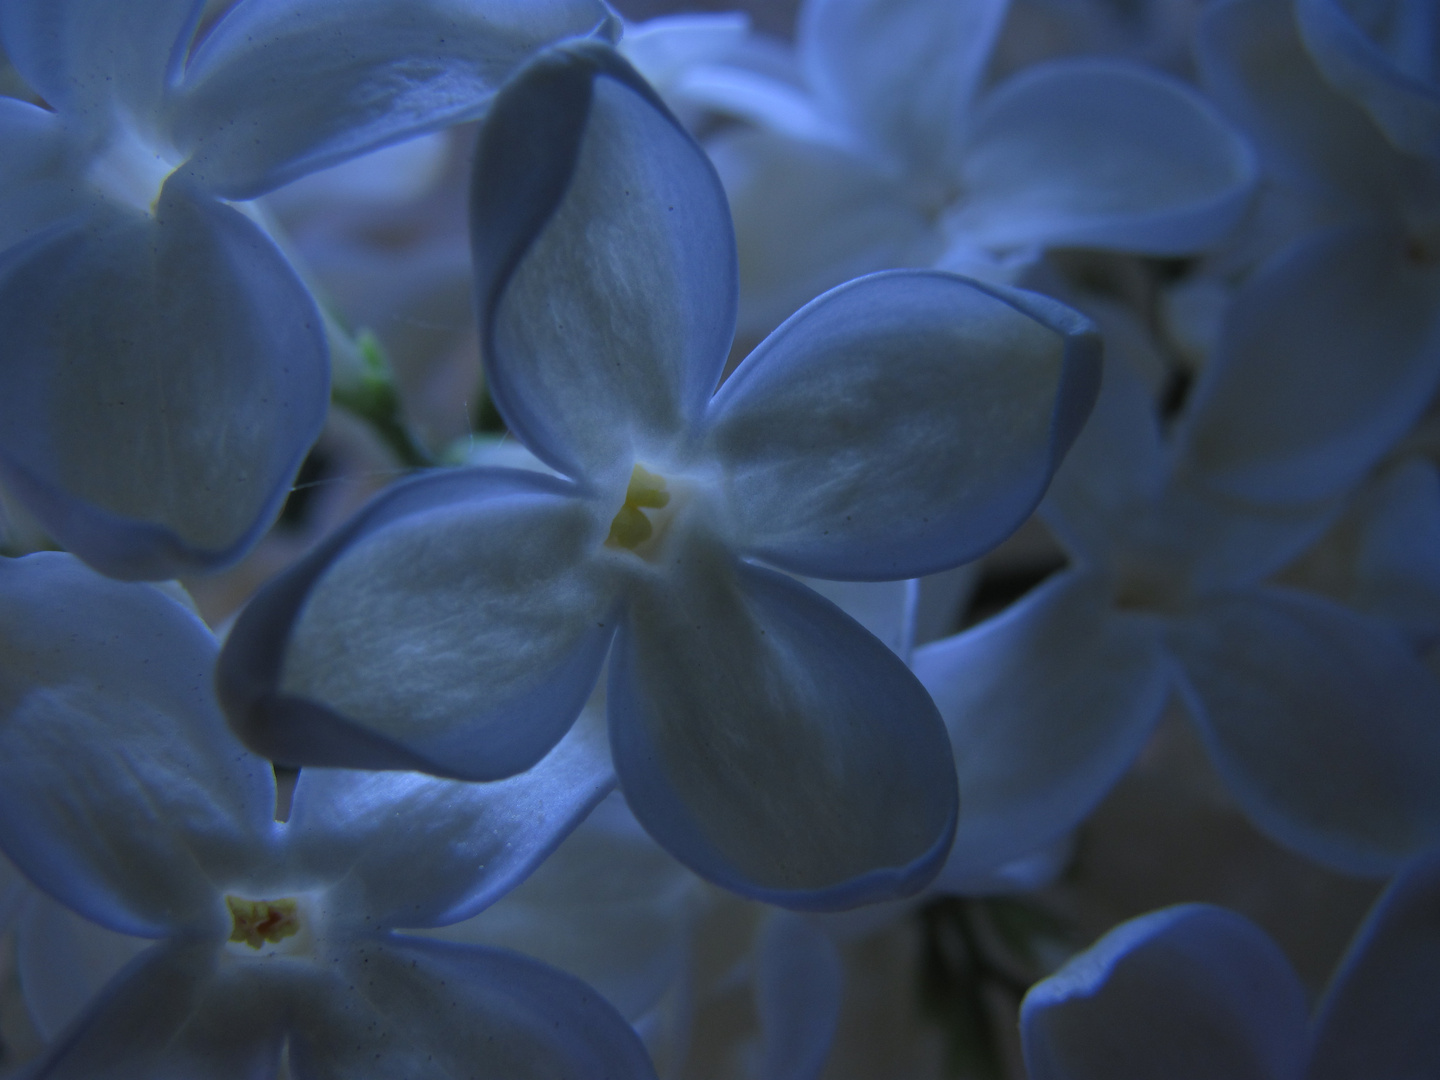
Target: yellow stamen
259	921
631	527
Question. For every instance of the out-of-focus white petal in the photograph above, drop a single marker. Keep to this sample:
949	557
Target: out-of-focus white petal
120	791
409	1007
901	424
1046	704
456	626
1328	356
798	988
1098	154
280	88
605	263
1378	1016
810	216
771	744
87	56
1397	567
1188	993
163	378
1322	722
1384	55
462	845
901	71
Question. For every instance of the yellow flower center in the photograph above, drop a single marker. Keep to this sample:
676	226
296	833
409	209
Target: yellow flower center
631	527
259	921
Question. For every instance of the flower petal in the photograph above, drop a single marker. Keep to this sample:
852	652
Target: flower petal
1397	566
1328	356
1378	1016
1191	992
605	263
37	183
432	1008
82	55
771	744
1047	704
462	845
280	88
456	626
63	961
175	1011
1396	79
120	792
609	906
1320	720
798	989
808	217
901	71
1097	154
901	424
163	379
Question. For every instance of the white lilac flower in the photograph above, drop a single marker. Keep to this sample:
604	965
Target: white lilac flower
164	370
1384	55
1351	296
901	424
1320	719
123	796
1196	992
894	155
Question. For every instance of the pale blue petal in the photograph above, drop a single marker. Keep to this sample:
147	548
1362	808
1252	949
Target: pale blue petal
901	424
1097	154
1378	1016
1186	993
14	890
605	263
1397	566
1023	875
162	380
177	1012
456	626
1328	356
1321	721
901	71
810	216
1315	142
798	988
771	744
86	56
1385	56
609	906
462	845
121	793
1047	704
280	88
409	1007
37	174
63	961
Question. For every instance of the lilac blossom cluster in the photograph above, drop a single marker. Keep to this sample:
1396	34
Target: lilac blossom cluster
544	545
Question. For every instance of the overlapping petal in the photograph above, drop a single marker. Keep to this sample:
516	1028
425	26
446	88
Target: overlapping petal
1321	721
462	845
1397	565
901	71
605	263
434	1008
37	173
1385	56
771	744
1047	704
1378	1016
280	88
798	989
1329	354
455	626
82	55
177	1011
113	797
1188	993
161	382
1096	154
901	424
